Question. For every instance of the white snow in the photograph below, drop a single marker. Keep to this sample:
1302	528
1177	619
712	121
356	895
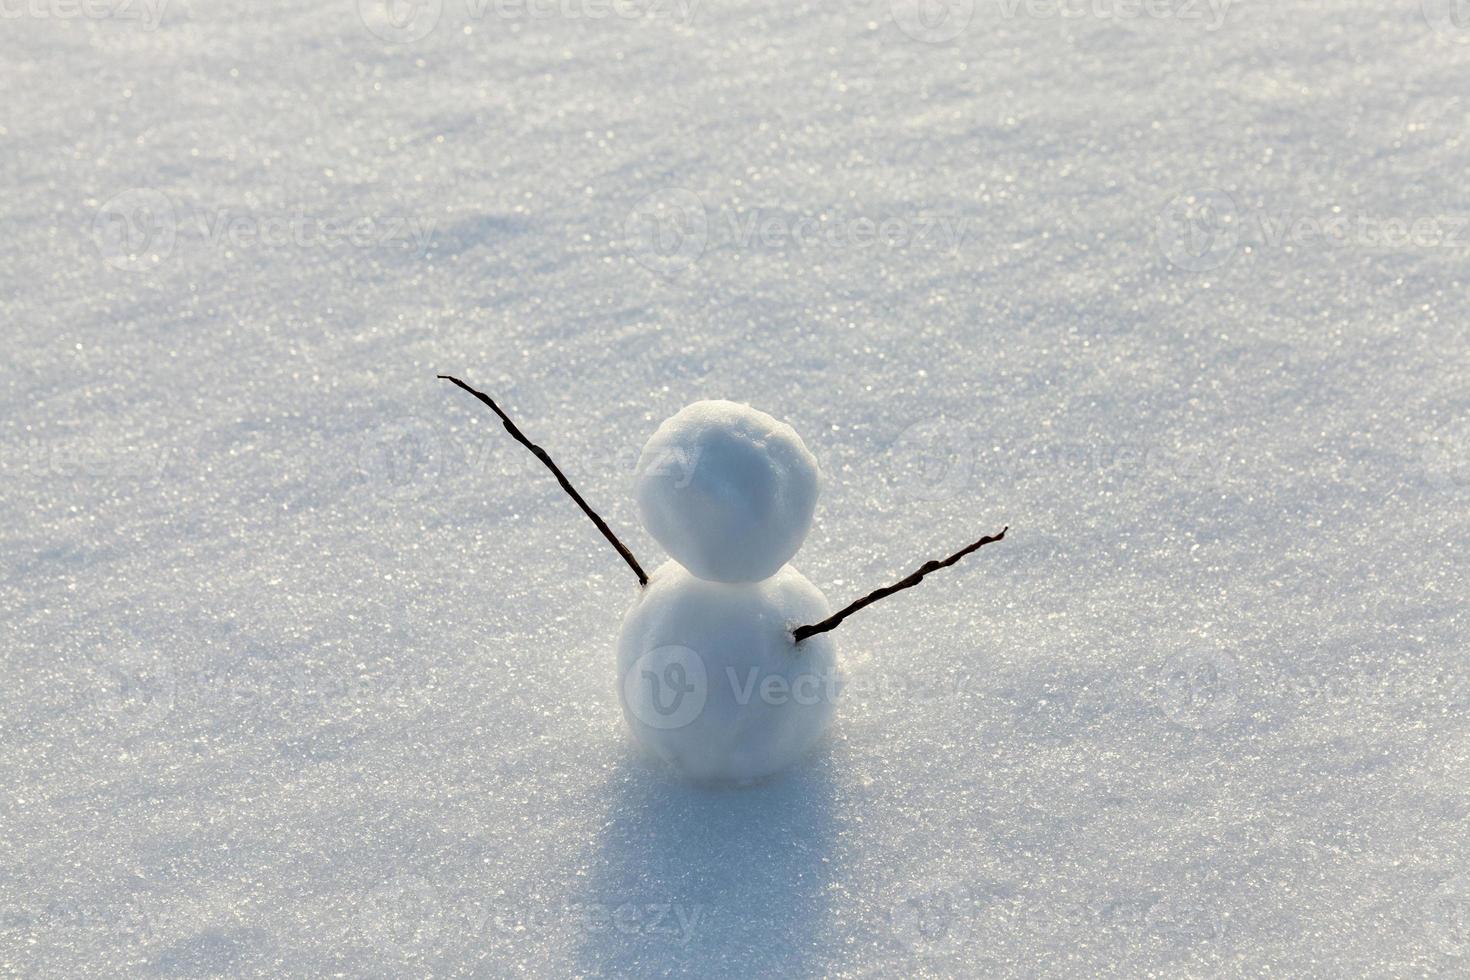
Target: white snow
712	681
310	670
727	490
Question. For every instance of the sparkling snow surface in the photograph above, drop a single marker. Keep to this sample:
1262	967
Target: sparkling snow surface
309	668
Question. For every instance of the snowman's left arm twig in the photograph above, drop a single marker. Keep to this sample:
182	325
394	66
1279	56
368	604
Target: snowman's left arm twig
832	621
566	484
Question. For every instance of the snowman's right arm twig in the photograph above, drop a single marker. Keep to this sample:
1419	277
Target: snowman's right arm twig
566	484
832	621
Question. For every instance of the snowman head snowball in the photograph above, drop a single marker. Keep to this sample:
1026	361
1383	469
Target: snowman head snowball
726	665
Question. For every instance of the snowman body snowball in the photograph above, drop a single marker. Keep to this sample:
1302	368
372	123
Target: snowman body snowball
710	677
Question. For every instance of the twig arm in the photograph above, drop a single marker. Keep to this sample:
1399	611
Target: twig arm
832	621
566	484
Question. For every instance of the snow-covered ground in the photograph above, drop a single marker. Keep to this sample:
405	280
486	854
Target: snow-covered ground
309	668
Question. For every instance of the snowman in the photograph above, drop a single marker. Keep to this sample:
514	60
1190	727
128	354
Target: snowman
726	667
711	678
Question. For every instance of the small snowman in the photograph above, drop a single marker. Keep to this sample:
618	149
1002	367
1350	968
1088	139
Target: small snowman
727	670
712	678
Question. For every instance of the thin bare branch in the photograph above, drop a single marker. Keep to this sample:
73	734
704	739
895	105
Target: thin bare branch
834	620
566	484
